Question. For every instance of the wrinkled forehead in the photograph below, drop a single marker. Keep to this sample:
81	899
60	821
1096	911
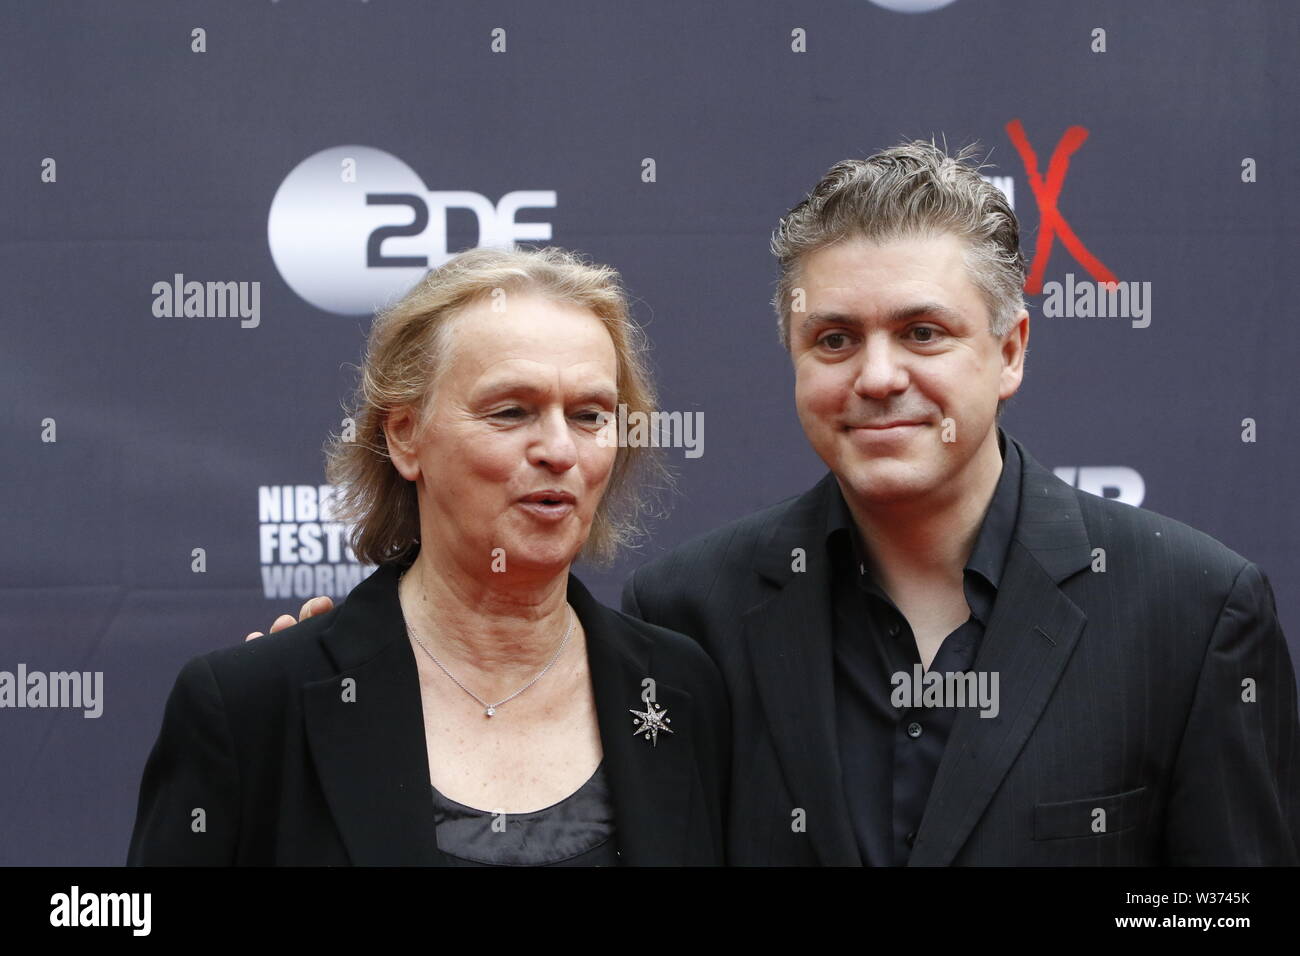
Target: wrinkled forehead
528	340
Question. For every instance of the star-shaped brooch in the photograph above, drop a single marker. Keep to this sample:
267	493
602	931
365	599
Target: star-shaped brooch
650	721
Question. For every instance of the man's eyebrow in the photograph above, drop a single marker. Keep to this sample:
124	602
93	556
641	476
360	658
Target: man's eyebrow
817	320
893	317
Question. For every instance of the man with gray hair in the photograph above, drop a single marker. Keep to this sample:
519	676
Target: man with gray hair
941	653
1140	710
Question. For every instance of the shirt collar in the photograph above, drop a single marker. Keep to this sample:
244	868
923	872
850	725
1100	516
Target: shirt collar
989	555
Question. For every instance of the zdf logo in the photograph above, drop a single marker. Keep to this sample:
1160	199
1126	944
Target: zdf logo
352	228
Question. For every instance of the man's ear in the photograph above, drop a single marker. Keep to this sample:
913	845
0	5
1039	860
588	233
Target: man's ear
400	430
1014	346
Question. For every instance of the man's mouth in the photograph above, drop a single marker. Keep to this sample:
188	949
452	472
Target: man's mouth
884	426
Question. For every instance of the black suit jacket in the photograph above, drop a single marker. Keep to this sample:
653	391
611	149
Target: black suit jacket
1120	690
286	772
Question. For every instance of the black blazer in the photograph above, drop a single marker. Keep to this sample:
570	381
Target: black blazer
286	772
1121	690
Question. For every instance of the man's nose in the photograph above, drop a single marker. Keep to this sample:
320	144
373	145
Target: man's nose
553	447
882	371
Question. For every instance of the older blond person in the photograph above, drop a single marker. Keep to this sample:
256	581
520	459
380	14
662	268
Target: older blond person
469	702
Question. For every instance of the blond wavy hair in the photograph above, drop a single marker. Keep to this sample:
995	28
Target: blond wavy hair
408	349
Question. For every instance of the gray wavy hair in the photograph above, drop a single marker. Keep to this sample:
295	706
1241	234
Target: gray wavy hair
912	189
408	348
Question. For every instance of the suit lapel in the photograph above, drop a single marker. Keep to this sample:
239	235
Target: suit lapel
652	786
367	737
1032	633
788	638
372	760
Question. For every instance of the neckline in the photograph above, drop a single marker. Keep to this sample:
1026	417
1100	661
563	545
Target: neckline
524	813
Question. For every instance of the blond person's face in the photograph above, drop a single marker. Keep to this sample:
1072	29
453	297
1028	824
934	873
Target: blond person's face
509	458
897	377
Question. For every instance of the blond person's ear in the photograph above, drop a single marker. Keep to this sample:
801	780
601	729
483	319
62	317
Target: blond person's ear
317	605
400	432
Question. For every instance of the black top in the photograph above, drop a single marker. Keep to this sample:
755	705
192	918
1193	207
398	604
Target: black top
890	754
577	831
325	718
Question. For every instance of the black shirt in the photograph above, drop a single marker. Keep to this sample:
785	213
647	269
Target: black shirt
577	831
889	754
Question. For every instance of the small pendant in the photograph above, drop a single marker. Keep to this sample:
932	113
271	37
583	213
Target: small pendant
490	711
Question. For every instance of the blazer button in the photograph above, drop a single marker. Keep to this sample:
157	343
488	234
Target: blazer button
894	629
910	838
914	730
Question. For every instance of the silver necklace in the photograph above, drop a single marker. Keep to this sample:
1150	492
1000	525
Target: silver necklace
489	710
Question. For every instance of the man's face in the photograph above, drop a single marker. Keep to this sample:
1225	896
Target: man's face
897	377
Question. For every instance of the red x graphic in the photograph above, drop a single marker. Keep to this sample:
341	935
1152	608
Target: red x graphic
1050	221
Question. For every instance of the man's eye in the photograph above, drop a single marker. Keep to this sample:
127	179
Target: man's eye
592	416
925	334
835	341
513	412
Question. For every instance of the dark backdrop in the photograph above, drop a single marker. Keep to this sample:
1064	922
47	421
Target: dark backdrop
172	161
